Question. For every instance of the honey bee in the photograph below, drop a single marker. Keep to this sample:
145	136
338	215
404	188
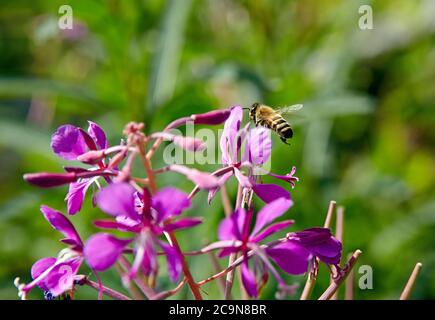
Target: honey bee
268	117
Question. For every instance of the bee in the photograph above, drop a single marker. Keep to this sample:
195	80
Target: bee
268	117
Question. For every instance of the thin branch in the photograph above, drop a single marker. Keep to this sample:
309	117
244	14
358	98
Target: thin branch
105	290
226	201
329	214
333	287
239	261
134	292
147	291
230	275
216	267
339	223
406	293
166	294
348	286
192	284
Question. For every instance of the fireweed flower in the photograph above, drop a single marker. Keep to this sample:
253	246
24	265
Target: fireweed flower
237	228
147	218
257	151
73	143
319	242
55	275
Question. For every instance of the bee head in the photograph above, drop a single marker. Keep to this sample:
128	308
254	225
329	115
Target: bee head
253	110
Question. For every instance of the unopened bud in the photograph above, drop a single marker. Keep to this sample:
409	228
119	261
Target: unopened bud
48	180
91	157
212	118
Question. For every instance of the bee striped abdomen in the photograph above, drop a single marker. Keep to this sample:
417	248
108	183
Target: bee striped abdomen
281	127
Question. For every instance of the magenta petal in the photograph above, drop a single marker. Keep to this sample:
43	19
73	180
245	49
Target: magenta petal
227	251
182	224
290	257
98	135
243	180
202	179
102	250
76	195
222	180
271	230
114	225
117	199
189	143
61	277
39	267
68	142
169	202
59	222
249	281
259	145
289	177
231	227
174	261
229	140
270	212
270	192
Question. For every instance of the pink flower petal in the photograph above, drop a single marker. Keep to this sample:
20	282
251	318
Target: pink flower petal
76	195
39	267
270	212
68	142
173	259
98	135
59	222
182	224
290	257
102	250
169	202
270	192
271	230
117	199
201	179
249	281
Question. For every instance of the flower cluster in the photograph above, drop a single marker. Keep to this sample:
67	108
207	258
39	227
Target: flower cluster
144	219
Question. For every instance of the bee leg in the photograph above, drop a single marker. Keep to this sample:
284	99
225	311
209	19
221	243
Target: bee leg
284	140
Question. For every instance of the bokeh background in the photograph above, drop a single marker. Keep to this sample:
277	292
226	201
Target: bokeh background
365	138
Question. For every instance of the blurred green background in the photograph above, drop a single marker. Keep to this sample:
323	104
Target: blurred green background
365	138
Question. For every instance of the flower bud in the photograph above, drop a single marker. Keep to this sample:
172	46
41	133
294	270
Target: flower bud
48	180
189	143
91	157
212	118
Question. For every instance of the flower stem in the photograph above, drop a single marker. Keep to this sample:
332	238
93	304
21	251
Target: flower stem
406	293
312	276
215	264
147	291
134	292
339	221
333	287
188	275
348	286
166	294
230	275
107	291
239	261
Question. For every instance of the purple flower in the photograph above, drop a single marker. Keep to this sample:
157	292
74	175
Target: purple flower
147	218
56	275
320	243
73	143
69	142
292	259
257	151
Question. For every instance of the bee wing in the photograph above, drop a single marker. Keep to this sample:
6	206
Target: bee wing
290	109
